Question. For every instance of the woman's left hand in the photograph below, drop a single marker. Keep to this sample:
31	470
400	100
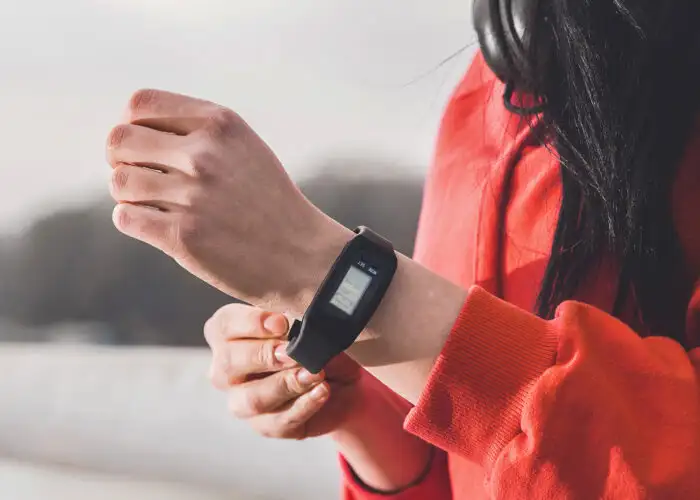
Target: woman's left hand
194	180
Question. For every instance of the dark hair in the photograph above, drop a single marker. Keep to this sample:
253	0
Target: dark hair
621	103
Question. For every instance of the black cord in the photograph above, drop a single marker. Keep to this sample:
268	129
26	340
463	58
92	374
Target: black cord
519	110
414	483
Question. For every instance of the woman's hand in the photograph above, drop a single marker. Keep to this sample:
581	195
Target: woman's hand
194	180
276	396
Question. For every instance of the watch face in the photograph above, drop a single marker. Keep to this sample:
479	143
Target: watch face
351	290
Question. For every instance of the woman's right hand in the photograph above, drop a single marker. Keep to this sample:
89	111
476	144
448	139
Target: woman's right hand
268	389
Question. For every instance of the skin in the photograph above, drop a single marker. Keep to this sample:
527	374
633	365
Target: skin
192	179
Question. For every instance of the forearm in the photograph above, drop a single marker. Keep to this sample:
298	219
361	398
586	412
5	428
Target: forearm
409	329
375	445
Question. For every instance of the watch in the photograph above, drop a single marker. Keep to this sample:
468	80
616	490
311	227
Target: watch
346	301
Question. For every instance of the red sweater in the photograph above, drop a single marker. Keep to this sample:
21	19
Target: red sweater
580	407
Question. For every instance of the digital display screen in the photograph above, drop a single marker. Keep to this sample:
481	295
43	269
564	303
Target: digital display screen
351	290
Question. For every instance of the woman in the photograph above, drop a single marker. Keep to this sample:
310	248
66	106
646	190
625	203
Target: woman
542	343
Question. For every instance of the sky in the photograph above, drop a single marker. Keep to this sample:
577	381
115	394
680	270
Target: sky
317	79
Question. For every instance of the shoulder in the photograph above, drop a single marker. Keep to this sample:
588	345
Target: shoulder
475	115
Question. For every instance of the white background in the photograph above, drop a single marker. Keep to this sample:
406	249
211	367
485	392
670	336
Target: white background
318	79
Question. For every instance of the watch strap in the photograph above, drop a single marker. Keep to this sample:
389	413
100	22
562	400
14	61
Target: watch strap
312	350
375	238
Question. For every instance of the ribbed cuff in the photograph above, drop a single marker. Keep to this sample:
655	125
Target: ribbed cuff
473	402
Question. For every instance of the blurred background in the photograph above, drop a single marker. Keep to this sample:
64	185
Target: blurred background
103	364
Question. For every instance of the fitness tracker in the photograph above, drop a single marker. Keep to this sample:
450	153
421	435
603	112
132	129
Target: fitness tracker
345	302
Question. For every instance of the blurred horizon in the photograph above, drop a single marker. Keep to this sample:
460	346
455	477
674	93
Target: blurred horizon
72	277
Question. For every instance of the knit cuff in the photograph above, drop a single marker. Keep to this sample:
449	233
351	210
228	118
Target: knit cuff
473	401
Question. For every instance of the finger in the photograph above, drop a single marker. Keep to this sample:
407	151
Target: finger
169	112
269	394
143	146
234	362
145	186
289	422
241	321
154	227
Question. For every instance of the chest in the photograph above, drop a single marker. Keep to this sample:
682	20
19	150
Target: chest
490	207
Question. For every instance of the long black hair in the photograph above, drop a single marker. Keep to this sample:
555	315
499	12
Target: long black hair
621	101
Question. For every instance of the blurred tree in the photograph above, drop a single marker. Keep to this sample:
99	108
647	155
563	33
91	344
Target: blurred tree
73	266
374	194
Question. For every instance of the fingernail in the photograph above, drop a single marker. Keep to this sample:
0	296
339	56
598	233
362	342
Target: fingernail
275	323
281	354
320	392
308	378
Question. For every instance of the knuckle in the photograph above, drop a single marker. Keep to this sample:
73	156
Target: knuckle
172	243
120	180
229	311
272	431
216	379
288	425
213	379
215	325
291	383
234	408
223	122
190	197
211	329
265	356
226	117
213	376
200	162
226	369
141	100
268	433
250	405
186	235
229	371
121	218
117	136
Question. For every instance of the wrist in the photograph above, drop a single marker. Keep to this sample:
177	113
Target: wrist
320	248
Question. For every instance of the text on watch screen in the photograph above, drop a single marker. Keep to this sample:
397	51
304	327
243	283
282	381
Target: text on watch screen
351	290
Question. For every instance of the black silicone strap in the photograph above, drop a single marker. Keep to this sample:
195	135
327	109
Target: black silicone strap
375	238
312	350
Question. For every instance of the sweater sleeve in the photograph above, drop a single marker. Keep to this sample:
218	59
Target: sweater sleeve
579	407
435	484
